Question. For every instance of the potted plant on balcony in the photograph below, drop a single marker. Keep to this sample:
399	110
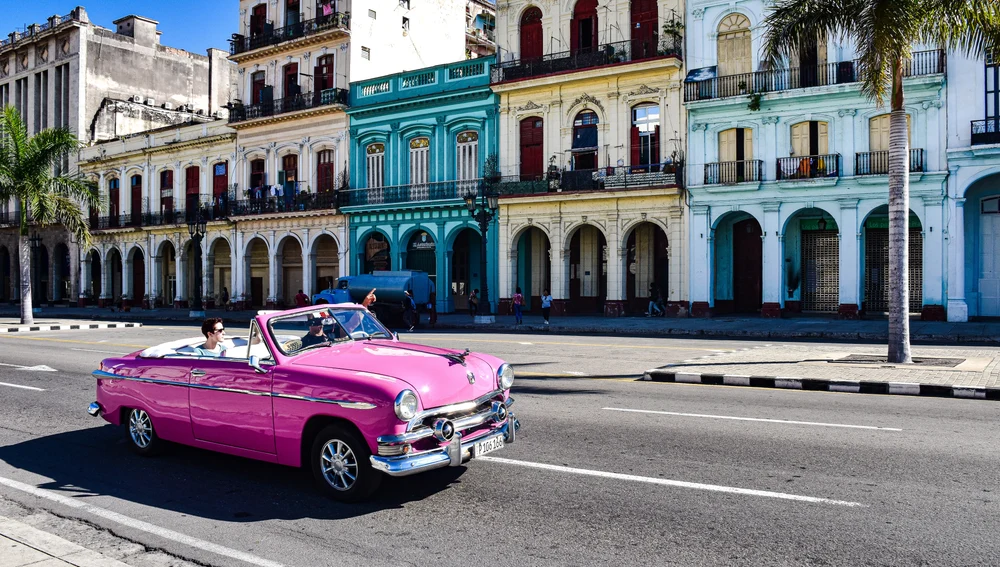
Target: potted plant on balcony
491	170
673	33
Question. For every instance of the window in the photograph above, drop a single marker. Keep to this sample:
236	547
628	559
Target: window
735	153
114	198
257	87
292	15
992	87
467	155
585	140
645	135
532	160
531	33
734	45
371	14
167	191
257	177
406	24
583	28
366	53
810	139
258	17
289	173
375	161
420	153
192	189
325	180
291	82
644	16
878	133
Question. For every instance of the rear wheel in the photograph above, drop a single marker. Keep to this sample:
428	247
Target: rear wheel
141	434
341	465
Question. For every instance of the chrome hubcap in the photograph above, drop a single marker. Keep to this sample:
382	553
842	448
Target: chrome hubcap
339	465
140	428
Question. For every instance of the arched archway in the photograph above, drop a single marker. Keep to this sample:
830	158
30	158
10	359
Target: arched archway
114	271
376	253
533	266
647	266
421	254
290	268
982	254
95	275
258	272
61	271
465	267
220	259
738	264
137	259
588	270
812	262
325	265
876	262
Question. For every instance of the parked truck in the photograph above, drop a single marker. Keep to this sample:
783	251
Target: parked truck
390	288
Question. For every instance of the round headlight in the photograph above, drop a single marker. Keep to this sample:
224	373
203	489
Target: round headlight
505	376
406	405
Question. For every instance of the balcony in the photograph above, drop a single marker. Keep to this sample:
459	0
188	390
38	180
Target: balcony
619	178
241	44
733	172
760	82
877	163
522	185
986	132
276	107
449	77
566	61
416	193
275	205
808	167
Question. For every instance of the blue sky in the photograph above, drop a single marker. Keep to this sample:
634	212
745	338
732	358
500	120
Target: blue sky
194	25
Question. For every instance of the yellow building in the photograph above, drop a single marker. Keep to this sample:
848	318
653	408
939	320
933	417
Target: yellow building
591	141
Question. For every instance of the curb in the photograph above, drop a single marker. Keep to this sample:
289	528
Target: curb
36	544
818	384
66	327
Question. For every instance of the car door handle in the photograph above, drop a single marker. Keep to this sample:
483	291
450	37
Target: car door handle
197	373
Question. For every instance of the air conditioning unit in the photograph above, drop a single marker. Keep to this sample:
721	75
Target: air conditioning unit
168	106
150	102
138	99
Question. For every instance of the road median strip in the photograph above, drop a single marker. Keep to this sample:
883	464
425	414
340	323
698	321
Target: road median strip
64	327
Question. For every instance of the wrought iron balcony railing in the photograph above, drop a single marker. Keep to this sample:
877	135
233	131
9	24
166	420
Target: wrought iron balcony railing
877	163
808	167
518	185
986	131
732	172
305	101
601	55
270	36
286	204
620	178
761	82
414	193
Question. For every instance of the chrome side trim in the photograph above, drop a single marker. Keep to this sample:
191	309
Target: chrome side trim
459	424
341	403
453	408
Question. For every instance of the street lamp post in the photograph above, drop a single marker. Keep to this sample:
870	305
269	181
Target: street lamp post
483	212
197	230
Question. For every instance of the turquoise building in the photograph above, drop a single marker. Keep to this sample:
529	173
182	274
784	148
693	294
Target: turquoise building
419	145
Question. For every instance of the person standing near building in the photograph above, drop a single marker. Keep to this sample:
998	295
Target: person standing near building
409	310
546	305
474	302
301	299
518	304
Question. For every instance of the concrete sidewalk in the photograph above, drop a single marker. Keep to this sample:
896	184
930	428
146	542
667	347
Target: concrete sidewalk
943	372
806	327
22	545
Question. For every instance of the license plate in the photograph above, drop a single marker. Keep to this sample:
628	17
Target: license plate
489	445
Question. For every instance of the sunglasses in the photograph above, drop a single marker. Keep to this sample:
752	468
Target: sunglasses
222	330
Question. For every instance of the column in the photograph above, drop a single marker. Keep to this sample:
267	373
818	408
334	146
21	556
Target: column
152	197
958	310
308	158
677	277
84	282
847	152
701	261
773	264
156	278
272	275
74	271
850	260
204	191
104	292
207	271
236	271
179	191
614	303
180	299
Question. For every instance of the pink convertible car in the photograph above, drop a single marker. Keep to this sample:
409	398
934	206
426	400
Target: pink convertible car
326	387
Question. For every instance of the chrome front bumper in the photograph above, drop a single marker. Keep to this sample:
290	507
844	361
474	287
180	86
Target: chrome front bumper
451	455
94	410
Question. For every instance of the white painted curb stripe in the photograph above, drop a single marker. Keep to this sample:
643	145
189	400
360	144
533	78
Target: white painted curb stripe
736	380
904	388
851	387
759	419
22	387
674	483
687	378
139	524
790	383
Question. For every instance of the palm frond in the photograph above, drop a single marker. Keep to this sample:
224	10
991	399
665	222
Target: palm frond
794	21
971	27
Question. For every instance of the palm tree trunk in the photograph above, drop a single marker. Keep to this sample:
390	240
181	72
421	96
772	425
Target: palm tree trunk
899	216
24	253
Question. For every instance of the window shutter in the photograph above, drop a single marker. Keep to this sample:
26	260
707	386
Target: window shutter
634	143
727	145
654	146
824	140
747	144
800	139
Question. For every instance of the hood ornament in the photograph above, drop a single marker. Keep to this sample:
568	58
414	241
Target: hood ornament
471	377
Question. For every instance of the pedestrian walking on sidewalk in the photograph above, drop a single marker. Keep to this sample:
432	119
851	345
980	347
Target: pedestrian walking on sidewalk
409	310
546	305
518	305
474	303
654	309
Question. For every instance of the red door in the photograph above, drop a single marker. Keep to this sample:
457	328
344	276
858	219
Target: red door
257	89
324	172
167	191
136	200
257	18
191	188
583	29
220	181
747	262
114	202
291	82
532	161
531	34
643	29
322	76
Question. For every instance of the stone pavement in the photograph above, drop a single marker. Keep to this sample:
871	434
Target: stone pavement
971	373
22	545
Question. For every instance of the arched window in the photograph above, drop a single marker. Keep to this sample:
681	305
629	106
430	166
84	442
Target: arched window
531	33
532	161
375	163
643	28
114	201
420	160
585	140
644	142
734	45
325	178
257	178
467	155
583	28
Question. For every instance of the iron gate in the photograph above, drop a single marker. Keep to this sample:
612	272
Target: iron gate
877	270
820	270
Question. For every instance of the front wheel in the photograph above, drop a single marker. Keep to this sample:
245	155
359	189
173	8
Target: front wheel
341	465
141	434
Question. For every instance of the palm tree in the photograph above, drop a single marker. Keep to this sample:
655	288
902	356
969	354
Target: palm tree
884	31
27	178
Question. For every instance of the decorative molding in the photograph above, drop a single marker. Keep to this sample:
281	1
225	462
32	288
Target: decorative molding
644	90
698	13
847	112
586	98
695	126
530	105
769	120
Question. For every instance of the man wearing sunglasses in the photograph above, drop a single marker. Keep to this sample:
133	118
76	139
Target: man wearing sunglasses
215	333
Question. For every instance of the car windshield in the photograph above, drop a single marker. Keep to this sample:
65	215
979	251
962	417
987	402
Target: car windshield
323	327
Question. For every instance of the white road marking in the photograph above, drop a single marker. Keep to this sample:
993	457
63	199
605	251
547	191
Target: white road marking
38	368
785	421
525	343
103	351
22	387
674	483
574	373
139	524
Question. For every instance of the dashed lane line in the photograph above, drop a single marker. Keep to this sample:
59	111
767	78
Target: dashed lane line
673	483
758	419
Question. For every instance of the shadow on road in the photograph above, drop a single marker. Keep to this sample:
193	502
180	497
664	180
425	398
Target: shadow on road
97	461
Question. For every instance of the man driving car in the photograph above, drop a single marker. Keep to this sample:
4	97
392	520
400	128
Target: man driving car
315	335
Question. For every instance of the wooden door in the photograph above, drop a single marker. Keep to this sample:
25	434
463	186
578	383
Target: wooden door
258	82
220	182
748	286
257	18
531	34
136	192
822	138
800	139
291	80
583	29
192	189
727	145
643	28
114	201
532	159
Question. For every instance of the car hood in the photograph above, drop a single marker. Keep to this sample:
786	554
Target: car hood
436	379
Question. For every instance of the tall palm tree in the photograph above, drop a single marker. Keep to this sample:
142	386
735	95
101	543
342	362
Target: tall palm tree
28	178
883	32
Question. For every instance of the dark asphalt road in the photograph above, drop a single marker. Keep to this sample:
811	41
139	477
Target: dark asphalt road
914	481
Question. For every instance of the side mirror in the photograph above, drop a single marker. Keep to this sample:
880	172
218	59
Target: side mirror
395	336
255	364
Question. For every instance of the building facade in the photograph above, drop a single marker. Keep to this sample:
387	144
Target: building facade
788	175
591	137
419	144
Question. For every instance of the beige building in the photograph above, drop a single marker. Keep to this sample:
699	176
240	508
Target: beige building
591	137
